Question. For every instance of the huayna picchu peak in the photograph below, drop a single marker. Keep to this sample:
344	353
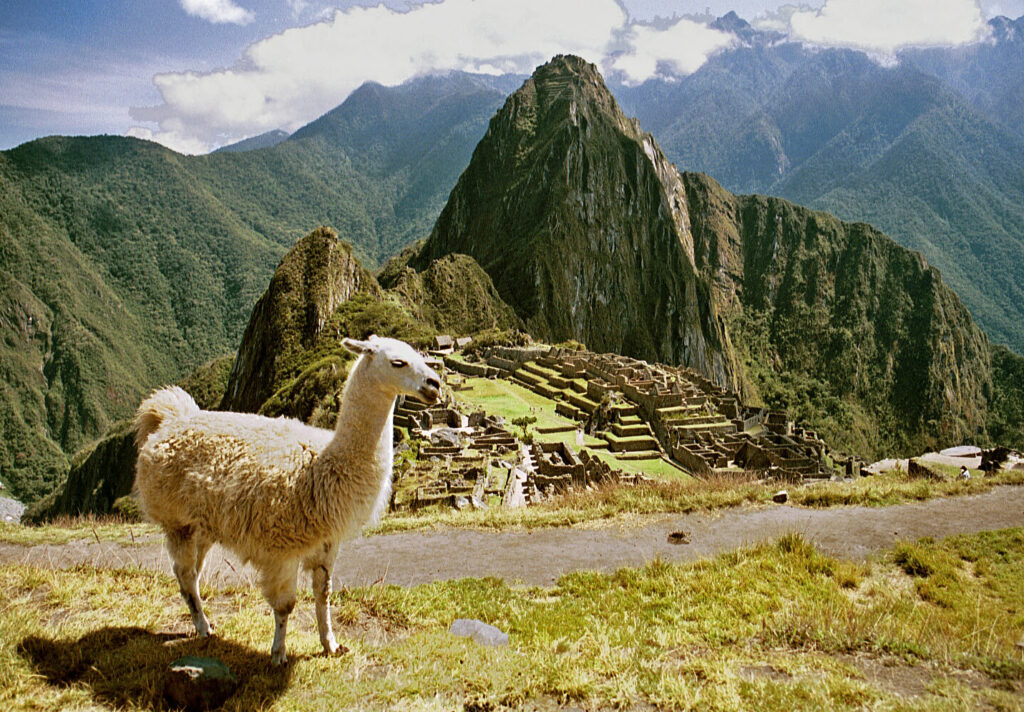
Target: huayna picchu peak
581	223
591	234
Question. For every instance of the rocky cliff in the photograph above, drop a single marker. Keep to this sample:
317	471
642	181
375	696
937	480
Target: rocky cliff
582	224
313	278
838	323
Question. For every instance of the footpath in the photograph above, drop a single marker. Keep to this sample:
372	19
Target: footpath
540	556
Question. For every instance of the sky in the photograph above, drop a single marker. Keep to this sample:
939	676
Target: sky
197	74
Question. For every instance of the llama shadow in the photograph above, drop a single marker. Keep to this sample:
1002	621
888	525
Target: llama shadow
126	667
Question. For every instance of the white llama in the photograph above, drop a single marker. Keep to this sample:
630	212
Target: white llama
274	491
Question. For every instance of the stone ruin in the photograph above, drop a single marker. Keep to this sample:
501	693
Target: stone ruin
652	409
469	459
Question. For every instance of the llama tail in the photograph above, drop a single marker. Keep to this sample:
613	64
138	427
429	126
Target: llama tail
166	403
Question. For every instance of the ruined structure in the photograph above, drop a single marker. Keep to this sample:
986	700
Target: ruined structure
466	460
648	409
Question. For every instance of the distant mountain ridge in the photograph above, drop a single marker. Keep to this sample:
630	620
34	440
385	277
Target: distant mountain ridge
253	143
930	150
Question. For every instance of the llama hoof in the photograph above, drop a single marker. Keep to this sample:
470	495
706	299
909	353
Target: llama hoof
278	659
334	650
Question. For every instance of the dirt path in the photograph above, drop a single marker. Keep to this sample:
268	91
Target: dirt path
541	556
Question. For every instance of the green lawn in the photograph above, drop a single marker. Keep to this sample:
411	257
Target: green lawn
657	468
509	400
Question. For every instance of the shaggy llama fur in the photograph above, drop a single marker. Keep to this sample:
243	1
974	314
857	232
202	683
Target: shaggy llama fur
274	491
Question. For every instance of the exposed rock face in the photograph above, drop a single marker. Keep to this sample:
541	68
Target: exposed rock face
582	224
314	277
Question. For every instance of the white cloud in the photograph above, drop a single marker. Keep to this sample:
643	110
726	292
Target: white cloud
220	11
885	26
681	48
288	79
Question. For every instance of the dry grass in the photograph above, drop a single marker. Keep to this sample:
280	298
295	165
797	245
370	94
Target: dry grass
681	496
776	626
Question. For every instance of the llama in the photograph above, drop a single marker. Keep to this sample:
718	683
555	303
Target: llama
276	492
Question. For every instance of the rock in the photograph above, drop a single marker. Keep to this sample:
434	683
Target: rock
780	497
477	503
195	683
11	510
961	451
479	631
462	503
445	436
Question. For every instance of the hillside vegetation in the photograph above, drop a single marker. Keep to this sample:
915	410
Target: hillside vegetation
124	265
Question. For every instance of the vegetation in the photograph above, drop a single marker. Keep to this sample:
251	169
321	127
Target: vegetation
775	626
161	257
674	493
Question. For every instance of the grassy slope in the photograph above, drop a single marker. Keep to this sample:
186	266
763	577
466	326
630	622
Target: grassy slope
776	626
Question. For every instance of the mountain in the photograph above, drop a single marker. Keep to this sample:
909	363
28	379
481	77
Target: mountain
263	140
988	74
126	265
589	233
929	150
577	217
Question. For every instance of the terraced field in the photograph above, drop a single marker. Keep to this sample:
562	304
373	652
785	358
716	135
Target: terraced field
628	446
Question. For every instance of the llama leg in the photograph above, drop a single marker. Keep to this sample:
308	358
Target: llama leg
202	549
279	589
321	569
181	543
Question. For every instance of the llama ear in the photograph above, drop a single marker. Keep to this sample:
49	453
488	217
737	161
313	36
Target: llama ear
359	347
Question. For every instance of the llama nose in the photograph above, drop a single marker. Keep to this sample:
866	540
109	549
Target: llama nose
434	383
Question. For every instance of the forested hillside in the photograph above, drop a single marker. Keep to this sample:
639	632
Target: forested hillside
126	265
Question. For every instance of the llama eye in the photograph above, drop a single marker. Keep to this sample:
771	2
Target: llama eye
399	363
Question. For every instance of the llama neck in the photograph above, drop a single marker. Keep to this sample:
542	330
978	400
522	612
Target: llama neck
365	418
350	472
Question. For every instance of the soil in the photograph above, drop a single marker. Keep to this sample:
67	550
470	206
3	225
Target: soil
541	556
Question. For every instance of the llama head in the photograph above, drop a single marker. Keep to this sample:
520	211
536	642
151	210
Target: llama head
398	367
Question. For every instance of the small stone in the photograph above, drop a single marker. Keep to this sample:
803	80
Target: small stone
479	631
780	497
196	684
462	503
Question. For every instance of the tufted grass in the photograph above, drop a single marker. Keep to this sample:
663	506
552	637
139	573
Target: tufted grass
774	626
689	495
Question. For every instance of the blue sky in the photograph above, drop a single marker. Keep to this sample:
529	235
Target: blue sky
195	74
